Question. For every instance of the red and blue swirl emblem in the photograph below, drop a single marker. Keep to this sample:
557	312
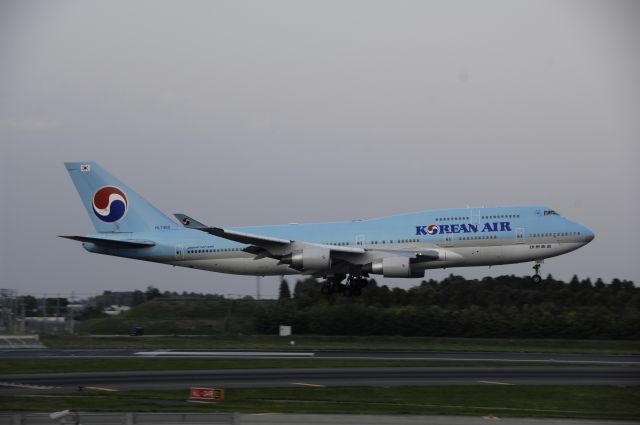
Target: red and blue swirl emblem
432	229
110	204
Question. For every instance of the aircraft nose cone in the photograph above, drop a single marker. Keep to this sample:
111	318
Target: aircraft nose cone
588	235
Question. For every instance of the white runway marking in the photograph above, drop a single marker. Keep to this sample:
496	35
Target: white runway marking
101	389
27	386
308	385
222	354
495	383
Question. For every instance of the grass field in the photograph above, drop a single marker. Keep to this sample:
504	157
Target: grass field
588	402
313	342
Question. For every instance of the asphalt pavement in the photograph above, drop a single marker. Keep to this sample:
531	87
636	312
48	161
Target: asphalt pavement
330	354
321	377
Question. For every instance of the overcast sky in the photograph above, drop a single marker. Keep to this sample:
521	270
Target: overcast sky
243	113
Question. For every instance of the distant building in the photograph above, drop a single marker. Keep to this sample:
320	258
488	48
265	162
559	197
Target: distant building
49	325
114	310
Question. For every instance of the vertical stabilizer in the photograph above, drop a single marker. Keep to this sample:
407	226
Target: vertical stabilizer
111	204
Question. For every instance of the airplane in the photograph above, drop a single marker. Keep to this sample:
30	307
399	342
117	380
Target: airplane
398	246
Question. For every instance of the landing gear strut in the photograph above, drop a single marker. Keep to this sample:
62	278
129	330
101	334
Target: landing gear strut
354	286
536	278
333	285
351	288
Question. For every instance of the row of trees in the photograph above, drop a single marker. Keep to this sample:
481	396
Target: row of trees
506	306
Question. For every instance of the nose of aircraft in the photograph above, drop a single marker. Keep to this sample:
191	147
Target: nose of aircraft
588	235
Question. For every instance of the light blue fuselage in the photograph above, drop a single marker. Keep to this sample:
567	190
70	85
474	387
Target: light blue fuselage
463	237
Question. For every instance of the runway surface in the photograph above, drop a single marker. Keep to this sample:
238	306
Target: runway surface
330	354
321	377
307	419
414	420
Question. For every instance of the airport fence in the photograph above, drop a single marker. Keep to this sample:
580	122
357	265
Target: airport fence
118	418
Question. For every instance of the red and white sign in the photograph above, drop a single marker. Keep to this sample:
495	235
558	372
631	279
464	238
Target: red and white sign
207	393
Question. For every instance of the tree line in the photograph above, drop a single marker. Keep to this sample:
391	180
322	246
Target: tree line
505	307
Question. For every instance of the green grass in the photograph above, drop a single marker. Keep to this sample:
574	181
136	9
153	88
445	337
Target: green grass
110	364
315	342
586	402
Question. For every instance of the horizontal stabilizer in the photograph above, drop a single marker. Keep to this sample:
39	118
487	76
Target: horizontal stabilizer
114	243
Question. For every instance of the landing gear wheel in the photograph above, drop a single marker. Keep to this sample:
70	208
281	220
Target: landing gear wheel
332	285
536	277
359	282
327	289
349	291
354	285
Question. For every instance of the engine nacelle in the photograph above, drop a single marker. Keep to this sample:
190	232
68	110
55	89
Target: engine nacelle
312	258
394	267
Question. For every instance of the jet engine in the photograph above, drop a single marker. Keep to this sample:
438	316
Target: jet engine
394	267
311	258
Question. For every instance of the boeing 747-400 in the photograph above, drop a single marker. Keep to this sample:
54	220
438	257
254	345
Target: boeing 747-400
399	246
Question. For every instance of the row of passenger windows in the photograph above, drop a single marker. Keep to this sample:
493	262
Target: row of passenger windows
452	218
473	238
208	250
204	251
489	217
374	242
544	235
484	217
462	238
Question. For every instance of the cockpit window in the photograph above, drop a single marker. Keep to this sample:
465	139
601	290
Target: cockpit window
550	212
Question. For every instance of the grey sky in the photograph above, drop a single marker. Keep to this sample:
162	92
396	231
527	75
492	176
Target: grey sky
260	112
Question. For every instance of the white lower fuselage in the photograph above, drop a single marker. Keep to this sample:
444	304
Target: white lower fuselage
242	263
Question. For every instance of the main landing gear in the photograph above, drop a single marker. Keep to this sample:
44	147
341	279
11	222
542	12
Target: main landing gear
351	288
536	278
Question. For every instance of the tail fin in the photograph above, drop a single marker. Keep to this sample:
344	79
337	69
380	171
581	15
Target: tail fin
112	205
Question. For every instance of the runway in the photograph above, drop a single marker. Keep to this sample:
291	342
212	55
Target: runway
321	377
307	419
331	354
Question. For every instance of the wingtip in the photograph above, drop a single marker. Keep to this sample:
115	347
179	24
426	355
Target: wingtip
188	222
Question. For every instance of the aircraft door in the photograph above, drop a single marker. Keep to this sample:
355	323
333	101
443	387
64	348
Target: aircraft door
180	252
475	216
519	234
448	240
360	241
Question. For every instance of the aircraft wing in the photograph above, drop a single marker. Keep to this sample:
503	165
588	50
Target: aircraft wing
247	238
268	243
131	243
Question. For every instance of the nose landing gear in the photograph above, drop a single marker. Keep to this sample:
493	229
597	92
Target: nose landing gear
536	278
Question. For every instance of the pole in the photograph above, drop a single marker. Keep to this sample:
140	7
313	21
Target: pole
258	287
